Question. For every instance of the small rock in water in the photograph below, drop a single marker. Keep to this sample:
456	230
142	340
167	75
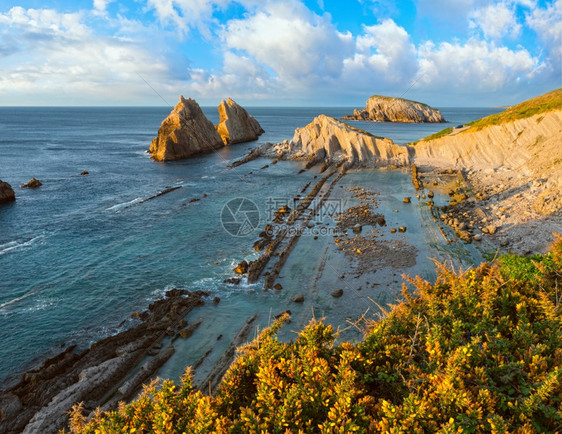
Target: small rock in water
477	237
34	183
402	228
298	298
393	231
407	199
357	228
278	286
280	314
84	172
337	293
216	300
430	194
242	267
232	280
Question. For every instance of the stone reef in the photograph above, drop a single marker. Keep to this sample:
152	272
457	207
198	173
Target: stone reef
6	192
184	133
236	125
387	109
330	139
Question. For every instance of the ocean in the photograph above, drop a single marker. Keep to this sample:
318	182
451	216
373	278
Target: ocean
80	254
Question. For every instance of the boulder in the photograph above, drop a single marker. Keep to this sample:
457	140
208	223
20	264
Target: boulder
6	192
387	109
33	183
337	293
298	298
235	124
242	267
184	133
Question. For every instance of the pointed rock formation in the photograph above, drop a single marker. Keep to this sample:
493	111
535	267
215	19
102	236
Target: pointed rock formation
331	139
236	125
6	192
184	133
387	109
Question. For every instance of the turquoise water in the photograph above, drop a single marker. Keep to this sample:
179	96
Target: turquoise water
80	254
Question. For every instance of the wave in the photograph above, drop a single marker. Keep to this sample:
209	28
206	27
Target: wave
5	248
123	205
20	298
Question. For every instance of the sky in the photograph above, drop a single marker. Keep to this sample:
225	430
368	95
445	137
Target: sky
278	52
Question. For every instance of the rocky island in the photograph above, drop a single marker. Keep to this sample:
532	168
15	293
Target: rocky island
388	109
187	131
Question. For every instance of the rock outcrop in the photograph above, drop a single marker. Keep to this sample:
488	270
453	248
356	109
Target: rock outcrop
387	109
236	125
33	183
6	192
326	138
184	133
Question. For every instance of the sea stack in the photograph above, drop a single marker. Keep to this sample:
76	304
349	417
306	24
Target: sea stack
6	192
184	133
387	109
236	125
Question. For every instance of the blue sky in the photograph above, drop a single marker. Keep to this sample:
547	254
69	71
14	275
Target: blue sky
278	52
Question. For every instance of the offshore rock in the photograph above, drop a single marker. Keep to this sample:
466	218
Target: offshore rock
33	183
387	109
236	125
6	192
335	141
184	133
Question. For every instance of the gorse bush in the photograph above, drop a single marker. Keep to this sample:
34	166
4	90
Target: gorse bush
476	351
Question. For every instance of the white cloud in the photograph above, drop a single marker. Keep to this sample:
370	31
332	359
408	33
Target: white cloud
100	6
184	14
384	54
496	20
60	59
547	23
474	66
298	46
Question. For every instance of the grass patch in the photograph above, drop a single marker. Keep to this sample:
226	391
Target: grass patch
541	104
439	134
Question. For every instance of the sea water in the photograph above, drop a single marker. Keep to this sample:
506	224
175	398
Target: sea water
80	254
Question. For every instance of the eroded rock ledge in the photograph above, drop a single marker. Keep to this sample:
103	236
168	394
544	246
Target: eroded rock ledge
387	109
327	139
40	402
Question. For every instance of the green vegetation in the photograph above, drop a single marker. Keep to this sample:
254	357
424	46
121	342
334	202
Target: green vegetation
441	133
541	104
477	351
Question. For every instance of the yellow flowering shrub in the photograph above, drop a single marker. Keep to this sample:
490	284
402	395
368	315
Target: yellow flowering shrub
477	351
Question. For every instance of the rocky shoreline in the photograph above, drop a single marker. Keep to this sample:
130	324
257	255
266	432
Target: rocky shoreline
98	376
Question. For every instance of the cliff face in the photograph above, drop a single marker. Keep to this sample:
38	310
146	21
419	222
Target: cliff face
6	192
532	146
335	140
184	133
236	125
386	109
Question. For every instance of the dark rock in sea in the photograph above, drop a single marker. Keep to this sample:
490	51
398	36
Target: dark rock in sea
402	228
6	192
242	267
194	200
233	280
84	172
216	300
407	199
337	293
393	230
34	183
298	298
278	286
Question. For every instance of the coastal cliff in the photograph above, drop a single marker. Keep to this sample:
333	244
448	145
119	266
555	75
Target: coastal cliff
184	133
387	109
330	139
6	192
235	124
